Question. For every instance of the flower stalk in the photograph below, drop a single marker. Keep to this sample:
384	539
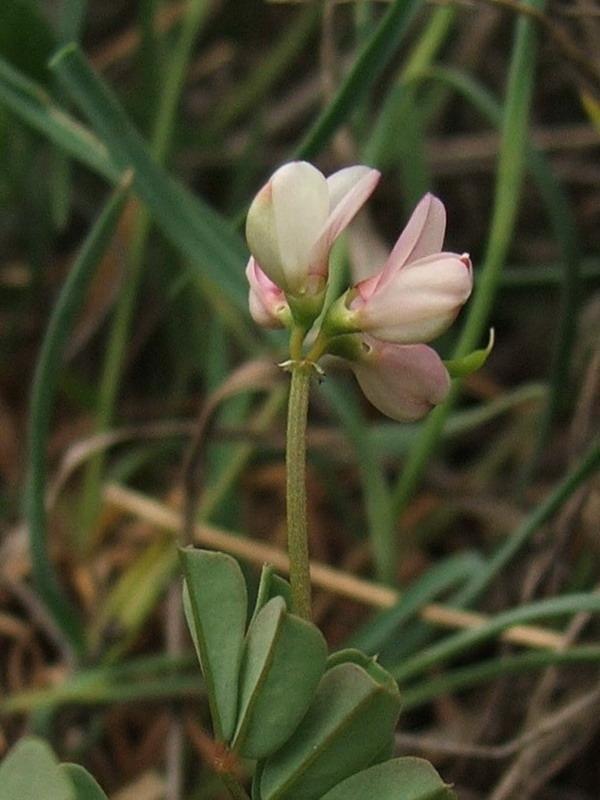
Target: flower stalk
297	527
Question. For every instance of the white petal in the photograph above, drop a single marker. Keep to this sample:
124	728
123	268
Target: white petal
403	381
340	183
301	207
423	235
418	302
261	233
348	191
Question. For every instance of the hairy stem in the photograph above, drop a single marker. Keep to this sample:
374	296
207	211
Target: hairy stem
297	529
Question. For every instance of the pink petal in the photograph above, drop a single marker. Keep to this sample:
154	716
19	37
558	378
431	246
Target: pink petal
403	381
423	236
418	302
348	188
266	300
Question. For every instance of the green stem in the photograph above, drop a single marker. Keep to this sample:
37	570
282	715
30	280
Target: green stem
296	338
319	347
297	529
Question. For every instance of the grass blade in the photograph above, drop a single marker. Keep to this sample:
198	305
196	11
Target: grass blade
374	636
42	403
370	63
458	643
476	674
33	105
375	488
201	233
121	329
588	465
511	165
563	223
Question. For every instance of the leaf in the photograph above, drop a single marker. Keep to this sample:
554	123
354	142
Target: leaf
30	772
347	727
217	608
351	655
270	586
284	659
459	367
86	787
398	779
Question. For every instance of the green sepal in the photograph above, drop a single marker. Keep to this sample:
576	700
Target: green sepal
306	307
84	785
284	659
31	771
398	779
340	319
271	585
346	728
216	606
459	367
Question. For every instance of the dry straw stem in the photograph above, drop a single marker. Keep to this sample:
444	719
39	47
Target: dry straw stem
323	576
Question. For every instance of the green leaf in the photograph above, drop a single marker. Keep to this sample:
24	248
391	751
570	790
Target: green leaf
270	586
459	367
217	607
86	787
30	772
351	655
347	726
399	779
283	661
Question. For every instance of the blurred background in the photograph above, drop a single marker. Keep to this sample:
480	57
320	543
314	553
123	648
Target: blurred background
121	318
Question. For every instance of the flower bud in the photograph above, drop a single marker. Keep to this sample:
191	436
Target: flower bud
295	218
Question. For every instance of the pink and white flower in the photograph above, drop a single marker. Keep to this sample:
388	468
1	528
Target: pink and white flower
404	382
411	300
295	218
420	289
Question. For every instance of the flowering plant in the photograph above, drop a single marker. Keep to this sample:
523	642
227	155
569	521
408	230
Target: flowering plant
320	727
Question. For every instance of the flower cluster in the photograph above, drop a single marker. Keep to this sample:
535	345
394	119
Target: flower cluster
381	324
